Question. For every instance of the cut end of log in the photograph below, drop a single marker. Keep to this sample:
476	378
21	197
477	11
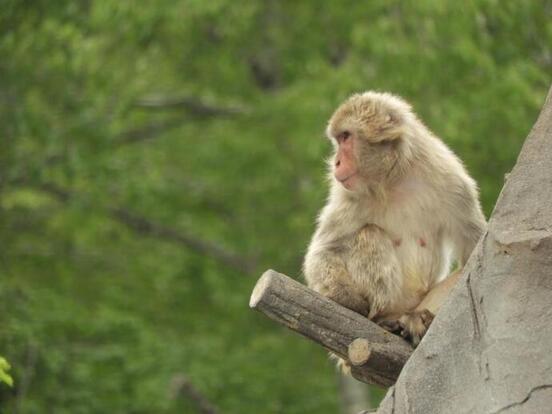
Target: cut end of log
359	351
261	287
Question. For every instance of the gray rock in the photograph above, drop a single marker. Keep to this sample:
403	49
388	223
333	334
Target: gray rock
489	350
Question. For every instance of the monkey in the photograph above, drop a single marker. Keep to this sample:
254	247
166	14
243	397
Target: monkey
401	210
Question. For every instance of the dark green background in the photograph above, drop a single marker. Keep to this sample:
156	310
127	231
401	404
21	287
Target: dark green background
156	157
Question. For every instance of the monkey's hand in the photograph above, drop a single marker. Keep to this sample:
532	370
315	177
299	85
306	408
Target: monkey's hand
412	326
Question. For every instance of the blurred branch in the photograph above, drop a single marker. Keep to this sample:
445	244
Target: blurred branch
52	189
27	374
181	385
146	227
148	132
154	129
337	53
265	71
194	105
354	395
265	66
208	199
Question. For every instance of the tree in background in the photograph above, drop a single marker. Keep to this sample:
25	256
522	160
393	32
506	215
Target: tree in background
156	156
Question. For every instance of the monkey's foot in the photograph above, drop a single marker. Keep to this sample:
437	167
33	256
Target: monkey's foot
412	326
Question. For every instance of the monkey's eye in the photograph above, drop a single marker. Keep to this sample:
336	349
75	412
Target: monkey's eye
344	136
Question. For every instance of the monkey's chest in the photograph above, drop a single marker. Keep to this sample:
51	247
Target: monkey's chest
421	259
420	249
418	242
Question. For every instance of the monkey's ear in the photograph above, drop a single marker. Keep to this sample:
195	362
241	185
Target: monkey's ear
391	126
395	116
391	118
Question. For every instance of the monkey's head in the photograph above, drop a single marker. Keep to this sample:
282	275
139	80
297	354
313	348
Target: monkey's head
369	135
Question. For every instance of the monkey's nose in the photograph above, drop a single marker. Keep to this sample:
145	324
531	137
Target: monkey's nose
337	163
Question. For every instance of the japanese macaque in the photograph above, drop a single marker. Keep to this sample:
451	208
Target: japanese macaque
401	210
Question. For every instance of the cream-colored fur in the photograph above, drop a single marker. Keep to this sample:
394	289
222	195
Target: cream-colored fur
381	248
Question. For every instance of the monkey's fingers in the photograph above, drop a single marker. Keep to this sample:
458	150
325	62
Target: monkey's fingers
392	326
427	317
414	325
405	330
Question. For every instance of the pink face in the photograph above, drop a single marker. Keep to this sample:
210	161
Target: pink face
345	169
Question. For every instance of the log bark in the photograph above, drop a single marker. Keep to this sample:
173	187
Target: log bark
488	349
333	326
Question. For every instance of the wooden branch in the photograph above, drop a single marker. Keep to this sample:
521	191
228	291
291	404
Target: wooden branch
181	385
148	132
376	356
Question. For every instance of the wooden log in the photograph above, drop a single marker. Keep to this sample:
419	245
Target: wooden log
377	355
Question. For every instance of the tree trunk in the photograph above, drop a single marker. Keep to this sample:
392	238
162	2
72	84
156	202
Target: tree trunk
489	347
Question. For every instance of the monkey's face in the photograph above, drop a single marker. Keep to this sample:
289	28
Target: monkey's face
345	167
366	131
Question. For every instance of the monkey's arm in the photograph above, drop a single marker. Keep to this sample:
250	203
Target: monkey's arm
360	272
326	273
436	296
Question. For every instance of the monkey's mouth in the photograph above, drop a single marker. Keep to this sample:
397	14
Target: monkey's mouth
343	180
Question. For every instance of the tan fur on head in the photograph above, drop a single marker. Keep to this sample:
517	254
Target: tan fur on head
375	116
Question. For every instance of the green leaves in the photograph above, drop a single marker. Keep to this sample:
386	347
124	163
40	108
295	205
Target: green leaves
4	376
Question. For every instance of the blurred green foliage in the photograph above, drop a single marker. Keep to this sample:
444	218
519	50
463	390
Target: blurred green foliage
5	377
157	156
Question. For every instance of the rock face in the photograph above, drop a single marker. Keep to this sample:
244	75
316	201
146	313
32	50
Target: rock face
489	350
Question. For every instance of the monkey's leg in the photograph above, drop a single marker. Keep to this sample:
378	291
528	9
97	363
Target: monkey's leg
375	269
361	273
413	325
326	273
437	295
